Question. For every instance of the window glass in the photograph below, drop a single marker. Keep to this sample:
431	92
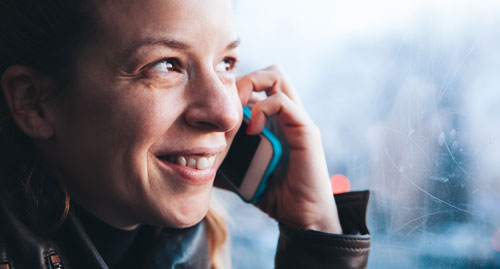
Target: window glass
407	96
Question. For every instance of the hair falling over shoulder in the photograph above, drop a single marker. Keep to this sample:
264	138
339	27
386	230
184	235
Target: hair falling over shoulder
217	236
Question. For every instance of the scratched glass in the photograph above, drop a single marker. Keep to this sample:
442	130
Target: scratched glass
407	96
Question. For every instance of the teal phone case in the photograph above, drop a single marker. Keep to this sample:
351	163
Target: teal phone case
277	151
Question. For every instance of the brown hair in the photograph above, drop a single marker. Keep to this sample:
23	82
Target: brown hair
45	35
41	35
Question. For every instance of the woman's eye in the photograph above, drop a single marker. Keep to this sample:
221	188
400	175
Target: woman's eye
225	65
164	66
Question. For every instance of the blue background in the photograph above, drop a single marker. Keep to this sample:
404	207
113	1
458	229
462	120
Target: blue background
407	96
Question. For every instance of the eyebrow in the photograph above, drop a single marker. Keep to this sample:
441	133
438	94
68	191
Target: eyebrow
174	44
233	44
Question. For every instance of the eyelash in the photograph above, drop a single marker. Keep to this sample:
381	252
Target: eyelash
233	62
177	67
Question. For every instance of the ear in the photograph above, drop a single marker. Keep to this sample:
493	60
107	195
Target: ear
24	90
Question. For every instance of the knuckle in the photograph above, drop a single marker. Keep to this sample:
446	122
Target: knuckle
257	106
277	69
311	134
280	77
278	97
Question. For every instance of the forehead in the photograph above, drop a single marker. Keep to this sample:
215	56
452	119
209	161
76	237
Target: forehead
195	22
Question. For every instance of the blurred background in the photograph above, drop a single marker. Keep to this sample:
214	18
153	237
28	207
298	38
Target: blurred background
407	96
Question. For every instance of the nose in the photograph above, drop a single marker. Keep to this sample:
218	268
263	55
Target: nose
213	104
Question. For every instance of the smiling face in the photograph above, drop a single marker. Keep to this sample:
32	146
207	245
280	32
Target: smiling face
150	112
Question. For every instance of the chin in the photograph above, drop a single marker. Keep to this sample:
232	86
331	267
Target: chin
187	219
185	214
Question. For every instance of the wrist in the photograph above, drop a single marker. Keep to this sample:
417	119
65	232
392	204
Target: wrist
329	224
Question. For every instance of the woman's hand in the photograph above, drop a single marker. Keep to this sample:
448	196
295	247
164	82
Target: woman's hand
303	196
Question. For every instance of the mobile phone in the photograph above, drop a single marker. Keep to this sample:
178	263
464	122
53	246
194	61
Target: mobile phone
250	161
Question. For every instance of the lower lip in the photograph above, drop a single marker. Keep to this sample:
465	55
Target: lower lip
191	175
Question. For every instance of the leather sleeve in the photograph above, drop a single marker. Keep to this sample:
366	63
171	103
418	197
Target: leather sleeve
312	249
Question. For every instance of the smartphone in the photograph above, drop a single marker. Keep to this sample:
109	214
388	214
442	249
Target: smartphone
250	161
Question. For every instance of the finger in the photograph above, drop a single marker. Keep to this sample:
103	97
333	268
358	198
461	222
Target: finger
270	80
280	105
245	89
255	98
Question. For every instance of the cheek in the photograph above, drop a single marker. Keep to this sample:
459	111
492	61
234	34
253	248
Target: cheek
142	122
112	132
145	119
145	113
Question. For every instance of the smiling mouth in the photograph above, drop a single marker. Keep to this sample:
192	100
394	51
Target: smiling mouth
196	162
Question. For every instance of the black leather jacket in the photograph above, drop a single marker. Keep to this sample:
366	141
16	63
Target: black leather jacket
70	247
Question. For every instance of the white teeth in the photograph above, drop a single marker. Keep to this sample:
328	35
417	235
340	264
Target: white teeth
202	163
191	162
211	161
181	161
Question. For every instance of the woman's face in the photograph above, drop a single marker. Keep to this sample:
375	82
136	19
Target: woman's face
151	111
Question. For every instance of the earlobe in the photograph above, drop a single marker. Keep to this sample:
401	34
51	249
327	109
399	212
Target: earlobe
23	91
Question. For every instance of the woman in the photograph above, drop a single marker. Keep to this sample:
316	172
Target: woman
100	96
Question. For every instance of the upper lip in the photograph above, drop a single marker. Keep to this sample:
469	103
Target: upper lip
201	151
